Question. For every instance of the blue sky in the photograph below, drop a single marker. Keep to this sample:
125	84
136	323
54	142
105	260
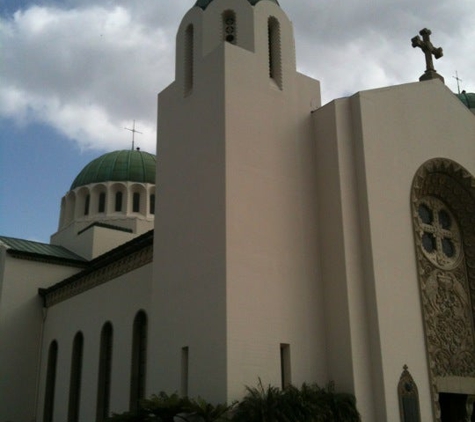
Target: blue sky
74	73
37	166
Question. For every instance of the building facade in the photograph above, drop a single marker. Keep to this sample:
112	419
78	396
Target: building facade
293	242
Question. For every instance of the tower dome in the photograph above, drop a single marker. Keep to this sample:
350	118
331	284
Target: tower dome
203	4
118	166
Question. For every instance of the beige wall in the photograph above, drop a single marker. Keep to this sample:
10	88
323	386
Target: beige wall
21	322
117	302
273	283
235	270
379	139
189	302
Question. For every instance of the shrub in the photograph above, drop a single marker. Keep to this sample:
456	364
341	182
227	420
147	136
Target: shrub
310	403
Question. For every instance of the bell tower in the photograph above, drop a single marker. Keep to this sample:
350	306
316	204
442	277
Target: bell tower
235	291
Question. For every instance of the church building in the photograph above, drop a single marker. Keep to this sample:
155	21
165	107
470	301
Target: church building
271	237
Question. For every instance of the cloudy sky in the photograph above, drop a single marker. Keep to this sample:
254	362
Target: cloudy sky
75	73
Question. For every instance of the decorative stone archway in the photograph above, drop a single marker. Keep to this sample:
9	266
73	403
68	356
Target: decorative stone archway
443	209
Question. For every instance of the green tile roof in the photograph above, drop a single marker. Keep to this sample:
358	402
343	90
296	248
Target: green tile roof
118	166
38	250
203	4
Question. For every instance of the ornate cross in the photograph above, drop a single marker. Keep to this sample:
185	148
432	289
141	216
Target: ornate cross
429	50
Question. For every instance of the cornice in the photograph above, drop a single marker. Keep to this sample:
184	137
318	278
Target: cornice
120	261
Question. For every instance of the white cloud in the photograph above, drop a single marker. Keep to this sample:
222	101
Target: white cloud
85	72
89	67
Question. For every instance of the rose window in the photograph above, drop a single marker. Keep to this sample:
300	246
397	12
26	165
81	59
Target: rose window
439	233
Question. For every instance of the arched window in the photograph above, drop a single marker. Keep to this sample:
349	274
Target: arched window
275	60
86	204
408	398
189	59
102	202
105	369
118	201
75	380
229	26
50	382
152	203
443	209
139	360
136	202
70	207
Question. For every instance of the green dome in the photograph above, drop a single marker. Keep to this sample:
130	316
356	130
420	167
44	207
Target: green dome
204	3
118	166
468	98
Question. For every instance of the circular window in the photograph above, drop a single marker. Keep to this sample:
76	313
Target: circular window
439	233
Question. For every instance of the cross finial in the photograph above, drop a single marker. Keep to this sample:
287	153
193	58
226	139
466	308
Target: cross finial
133	134
456	77
429	50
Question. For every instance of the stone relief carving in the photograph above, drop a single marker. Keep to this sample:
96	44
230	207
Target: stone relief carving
445	249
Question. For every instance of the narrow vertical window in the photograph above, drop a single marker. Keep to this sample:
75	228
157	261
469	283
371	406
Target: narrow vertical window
229	26
152	204
285	365
50	382
102	202
136	202
189	65
105	369
86	204
275	60
75	381
139	360
184	371
118	202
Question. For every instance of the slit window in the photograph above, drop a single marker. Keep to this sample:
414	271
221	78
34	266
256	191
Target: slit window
184	370
152	204
275	60
139	358
189	59
285	365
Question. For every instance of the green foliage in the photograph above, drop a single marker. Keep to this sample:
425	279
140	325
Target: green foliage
165	408
310	403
